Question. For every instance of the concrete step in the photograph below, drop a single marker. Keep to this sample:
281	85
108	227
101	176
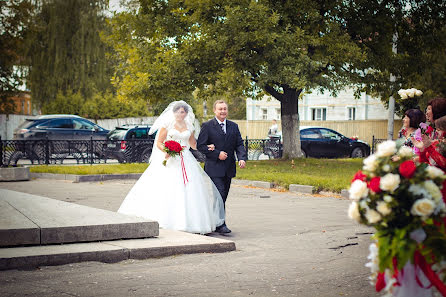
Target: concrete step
27	219
168	243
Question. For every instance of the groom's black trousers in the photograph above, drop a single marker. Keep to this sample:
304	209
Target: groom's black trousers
223	184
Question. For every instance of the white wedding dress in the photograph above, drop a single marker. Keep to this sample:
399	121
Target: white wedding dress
189	202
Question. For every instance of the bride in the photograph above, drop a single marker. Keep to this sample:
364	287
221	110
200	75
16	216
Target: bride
180	195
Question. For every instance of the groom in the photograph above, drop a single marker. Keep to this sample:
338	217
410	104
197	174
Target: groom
220	162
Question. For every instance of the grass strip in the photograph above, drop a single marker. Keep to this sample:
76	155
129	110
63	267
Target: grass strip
324	174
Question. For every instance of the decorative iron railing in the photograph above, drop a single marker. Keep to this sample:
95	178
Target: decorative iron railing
261	149
48	151
90	151
375	142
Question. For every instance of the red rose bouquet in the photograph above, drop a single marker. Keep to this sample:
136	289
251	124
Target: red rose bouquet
402	201
173	148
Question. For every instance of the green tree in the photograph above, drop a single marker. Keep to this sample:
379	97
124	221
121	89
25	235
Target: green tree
67	53
15	16
419	28
242	48
99	106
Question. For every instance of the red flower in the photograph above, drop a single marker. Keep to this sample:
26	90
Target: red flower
429	130
407	168
374	184
359	175
173	146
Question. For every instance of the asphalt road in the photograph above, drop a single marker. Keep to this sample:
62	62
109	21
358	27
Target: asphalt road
288	244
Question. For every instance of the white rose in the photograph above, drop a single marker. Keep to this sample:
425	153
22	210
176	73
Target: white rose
358	189
389	182
405	151
363	204
370	163
402	94
372	216
388	198
423	207
410	93
418	93
434	172
386	148
386	168
432	188
383	208
353	212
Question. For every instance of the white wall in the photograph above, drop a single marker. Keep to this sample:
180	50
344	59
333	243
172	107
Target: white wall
366	107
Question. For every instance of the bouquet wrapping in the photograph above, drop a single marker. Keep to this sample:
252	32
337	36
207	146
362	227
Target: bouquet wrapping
403	201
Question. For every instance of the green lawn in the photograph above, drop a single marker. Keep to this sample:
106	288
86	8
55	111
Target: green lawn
324	174
91	169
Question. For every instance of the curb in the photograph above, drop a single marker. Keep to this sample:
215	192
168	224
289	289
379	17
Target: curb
85	178
168	243
14	174
306	189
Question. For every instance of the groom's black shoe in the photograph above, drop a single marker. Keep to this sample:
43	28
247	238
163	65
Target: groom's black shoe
223	229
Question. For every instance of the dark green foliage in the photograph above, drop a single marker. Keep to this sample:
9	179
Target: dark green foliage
420	61
99	106
15	17
67	53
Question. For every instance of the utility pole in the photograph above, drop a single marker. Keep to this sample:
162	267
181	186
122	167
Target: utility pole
390	120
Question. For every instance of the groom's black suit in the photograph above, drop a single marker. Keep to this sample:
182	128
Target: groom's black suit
221	171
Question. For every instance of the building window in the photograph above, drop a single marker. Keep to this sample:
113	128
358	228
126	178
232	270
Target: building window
264	114
352	113
319	114
278	114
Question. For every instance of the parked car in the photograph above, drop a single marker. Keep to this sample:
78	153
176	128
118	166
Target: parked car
68	135
320	142
130	143
59	127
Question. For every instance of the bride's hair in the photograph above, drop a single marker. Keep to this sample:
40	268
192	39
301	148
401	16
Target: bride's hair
181	105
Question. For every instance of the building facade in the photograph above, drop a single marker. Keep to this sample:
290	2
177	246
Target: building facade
321	107
21	103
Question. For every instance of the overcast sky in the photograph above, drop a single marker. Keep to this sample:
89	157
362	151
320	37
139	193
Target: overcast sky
114	5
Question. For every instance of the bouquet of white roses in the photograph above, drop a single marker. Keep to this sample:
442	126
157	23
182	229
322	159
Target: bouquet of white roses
403	201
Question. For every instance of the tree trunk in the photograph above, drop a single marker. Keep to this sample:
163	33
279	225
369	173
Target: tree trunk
290	124
290	120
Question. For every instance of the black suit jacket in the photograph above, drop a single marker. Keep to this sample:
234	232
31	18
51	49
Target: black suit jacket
231	143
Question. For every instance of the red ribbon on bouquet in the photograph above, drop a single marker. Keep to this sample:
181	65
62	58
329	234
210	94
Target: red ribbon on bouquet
381	279
183	170
429	273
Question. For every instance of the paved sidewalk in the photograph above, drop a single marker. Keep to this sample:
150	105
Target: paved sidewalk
288	244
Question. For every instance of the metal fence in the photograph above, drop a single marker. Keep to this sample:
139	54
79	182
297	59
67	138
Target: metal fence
48	151
263	149
15	152
375	142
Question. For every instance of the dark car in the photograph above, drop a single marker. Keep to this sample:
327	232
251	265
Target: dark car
320	142
69	137
130	143
133	144
59	127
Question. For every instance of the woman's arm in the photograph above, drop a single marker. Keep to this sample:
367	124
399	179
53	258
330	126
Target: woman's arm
192	141
161	138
